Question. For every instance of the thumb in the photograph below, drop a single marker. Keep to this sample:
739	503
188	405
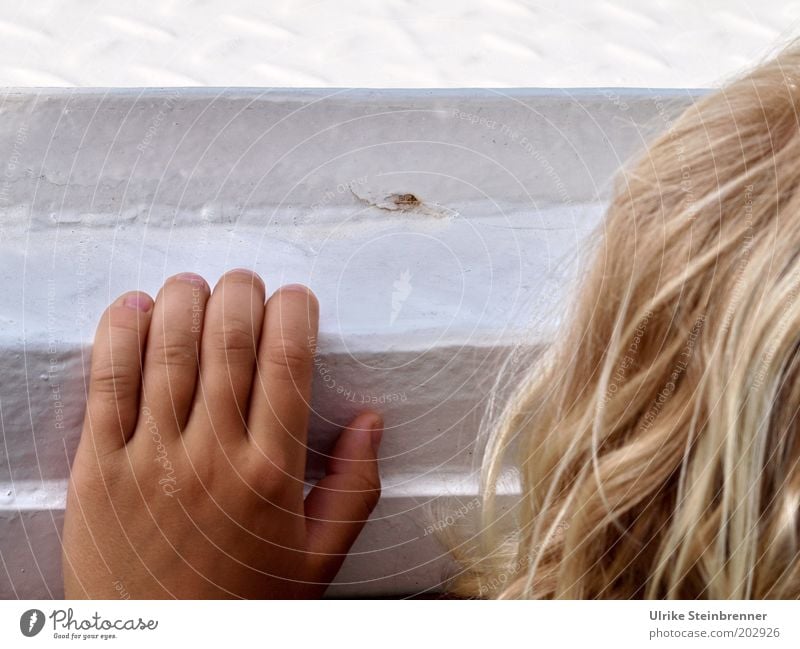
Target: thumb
339	505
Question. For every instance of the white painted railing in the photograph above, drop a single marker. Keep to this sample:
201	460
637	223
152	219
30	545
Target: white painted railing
438	228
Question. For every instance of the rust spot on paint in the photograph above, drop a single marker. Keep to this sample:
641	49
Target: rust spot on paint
405	201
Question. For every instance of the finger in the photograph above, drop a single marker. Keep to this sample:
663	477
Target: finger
231	331
171	361
339	505
116	372
278	418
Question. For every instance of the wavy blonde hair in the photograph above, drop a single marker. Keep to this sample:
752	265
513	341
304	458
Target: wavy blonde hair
657	439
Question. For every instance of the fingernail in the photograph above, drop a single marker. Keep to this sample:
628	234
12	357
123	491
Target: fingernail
246	271
295	287
138	301
192	278
376	433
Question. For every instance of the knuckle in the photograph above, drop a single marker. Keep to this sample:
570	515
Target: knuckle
278	461
269	476
96	482
369	485
236	336
110	379
366	487
289	354
177	354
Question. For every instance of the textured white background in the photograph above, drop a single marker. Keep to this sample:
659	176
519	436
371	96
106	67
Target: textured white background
387	43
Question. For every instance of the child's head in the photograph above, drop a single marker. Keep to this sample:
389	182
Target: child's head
658	439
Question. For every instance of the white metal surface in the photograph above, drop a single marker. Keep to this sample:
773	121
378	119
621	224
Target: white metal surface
421	299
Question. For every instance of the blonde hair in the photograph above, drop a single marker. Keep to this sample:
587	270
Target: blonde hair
657	439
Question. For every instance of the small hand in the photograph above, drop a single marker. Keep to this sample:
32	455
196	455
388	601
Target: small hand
188	480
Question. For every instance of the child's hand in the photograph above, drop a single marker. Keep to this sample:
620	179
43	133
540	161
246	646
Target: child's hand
188	481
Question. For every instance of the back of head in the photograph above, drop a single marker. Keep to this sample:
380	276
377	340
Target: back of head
658	438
